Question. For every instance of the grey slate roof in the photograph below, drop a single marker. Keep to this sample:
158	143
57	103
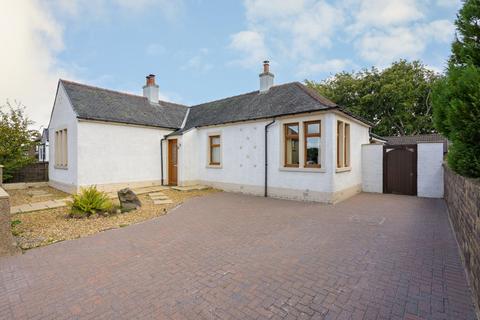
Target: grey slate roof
95	103
285	99
402	140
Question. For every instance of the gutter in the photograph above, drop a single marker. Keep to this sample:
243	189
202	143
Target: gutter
266	156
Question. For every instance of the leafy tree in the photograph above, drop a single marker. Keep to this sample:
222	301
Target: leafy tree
456	98
16	140
396	99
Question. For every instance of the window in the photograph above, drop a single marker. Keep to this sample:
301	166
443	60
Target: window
343	144
61	147
312	144
292	154
214	150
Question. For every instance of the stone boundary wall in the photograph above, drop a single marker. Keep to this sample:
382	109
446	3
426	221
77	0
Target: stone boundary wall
462	196
7	244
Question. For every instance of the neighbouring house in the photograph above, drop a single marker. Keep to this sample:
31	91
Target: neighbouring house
42	147
282	140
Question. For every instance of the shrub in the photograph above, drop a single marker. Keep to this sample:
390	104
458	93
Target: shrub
88	202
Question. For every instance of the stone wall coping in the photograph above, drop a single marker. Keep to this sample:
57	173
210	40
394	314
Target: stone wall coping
3	194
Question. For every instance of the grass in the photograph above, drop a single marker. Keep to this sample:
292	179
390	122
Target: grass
40	228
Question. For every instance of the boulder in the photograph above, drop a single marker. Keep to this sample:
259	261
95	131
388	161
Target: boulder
128	200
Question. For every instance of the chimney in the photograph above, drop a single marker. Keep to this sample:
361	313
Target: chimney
266	78
150	89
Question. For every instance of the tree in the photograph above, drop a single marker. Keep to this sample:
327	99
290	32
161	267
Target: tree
396	100
16	140
456	98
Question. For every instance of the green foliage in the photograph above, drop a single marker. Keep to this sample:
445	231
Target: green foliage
88	202
396	99
16	140
456	99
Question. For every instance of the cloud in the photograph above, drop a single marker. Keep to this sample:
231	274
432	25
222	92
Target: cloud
381	13
383	47
198	62
30	38
252	46
331	66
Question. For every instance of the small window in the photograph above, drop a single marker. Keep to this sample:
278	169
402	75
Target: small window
292	154
61	149
214	150
312	144
343	144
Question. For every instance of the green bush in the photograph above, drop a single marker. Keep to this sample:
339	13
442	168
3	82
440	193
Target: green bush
456	98
88	202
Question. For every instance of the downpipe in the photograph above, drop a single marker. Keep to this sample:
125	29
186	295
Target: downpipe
266	156
161	160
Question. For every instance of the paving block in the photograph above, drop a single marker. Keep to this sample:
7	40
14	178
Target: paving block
21	208
55	204
191	188
158	202
38	206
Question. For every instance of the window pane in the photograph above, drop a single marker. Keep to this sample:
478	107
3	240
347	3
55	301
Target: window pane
215	140
292	152
313	128
313	151
292	129
215	155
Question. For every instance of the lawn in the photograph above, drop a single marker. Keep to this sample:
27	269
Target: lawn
40	228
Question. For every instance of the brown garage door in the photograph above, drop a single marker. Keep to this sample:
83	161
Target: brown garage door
400	169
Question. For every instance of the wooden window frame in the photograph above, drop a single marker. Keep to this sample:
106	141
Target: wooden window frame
61	149
343	145
306	135
212	146
287	136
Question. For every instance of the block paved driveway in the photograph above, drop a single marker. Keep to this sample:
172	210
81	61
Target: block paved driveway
230	256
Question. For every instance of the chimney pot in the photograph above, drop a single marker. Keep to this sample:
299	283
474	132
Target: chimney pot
266	66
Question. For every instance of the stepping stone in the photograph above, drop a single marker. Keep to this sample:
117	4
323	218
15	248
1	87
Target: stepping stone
54	204
191	188
159	197
36	196
153	194
157	202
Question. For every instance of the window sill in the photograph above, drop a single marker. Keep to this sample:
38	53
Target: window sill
343	169
297	169
61	167
214	166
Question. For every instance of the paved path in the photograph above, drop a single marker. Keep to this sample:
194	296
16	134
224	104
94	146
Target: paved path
229	256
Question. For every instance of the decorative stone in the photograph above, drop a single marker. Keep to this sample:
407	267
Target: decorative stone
128	200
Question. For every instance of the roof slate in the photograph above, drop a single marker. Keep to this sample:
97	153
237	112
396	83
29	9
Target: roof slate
95	103
289	98
415	139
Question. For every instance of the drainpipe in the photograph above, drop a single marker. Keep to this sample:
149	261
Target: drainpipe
161	158
266	156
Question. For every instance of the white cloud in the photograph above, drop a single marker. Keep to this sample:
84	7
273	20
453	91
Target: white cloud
383	47
381	13
331	66
30	38
252	46
198	62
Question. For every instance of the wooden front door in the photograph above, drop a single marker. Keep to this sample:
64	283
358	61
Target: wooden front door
172	162
400	169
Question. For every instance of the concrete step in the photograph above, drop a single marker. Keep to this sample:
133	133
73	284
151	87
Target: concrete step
159	202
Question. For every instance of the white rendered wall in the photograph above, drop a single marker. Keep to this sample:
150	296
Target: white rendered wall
243	157
63	117
118	154
430	170
372	168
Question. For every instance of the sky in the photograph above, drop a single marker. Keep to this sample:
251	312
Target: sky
203	50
